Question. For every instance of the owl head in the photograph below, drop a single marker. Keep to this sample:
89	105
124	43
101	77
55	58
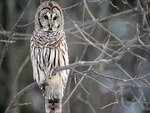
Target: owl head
49	17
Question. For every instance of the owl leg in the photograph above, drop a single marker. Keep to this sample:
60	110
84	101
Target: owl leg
43	87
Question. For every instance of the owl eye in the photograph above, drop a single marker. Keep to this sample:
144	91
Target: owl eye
55	17
46	17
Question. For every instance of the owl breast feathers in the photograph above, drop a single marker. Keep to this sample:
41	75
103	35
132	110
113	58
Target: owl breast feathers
49	50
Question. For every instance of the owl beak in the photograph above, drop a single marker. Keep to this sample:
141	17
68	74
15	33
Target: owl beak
50	26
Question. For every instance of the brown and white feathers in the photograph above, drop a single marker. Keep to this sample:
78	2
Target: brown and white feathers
49	50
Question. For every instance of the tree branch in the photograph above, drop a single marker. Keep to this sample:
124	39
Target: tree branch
19	94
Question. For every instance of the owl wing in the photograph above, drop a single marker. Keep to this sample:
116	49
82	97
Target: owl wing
37	62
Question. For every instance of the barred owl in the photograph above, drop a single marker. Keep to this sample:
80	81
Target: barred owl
49	50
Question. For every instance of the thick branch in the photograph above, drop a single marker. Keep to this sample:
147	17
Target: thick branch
19	94
82	63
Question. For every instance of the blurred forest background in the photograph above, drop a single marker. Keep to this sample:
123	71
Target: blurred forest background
111	37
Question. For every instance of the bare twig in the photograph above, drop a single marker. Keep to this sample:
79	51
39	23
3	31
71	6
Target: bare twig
12	32
86	102
19	94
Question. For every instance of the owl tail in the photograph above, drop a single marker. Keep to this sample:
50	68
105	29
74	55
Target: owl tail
53	105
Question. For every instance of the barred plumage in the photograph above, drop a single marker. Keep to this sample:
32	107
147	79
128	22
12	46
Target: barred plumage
48	51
